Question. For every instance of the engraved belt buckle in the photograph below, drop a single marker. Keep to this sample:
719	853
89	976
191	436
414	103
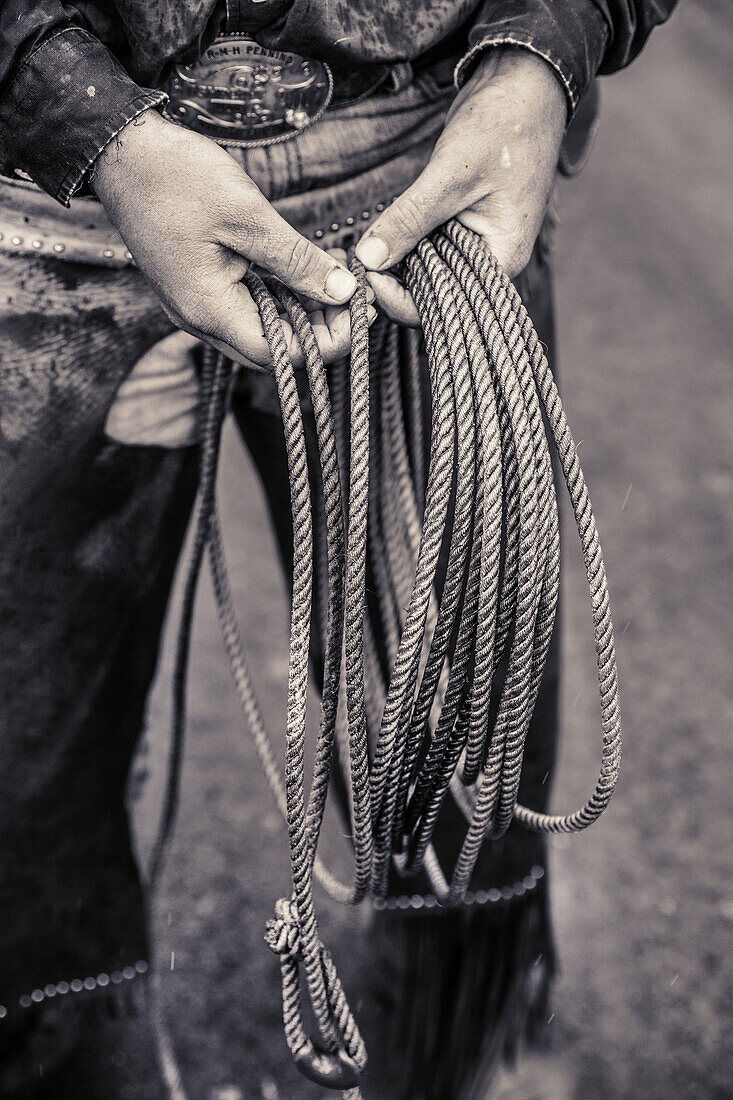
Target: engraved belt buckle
242	94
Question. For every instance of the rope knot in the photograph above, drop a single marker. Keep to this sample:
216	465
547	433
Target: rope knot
283	932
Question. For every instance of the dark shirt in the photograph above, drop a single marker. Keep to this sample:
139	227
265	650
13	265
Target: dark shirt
72	75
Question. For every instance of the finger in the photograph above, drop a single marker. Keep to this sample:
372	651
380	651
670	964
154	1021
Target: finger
257	231
310	306
332	330
331	336
433	198
394	300
341	255
233	326
510	237
237	332
332	312
234	354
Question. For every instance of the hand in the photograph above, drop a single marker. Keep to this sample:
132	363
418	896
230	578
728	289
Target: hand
157	405
194	221
493	168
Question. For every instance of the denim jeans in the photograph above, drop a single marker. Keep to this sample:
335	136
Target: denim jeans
90	534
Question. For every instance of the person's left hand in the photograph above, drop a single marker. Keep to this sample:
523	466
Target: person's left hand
493	168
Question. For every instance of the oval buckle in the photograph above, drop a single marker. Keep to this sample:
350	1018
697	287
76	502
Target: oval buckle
242	94
331	1069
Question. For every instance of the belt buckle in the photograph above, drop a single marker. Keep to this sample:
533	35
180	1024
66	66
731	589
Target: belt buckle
242	94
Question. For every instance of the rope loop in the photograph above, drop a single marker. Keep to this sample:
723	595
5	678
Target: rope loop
338	1065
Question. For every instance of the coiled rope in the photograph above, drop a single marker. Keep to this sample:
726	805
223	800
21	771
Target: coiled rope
410	719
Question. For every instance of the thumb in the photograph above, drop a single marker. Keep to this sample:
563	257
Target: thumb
419	210
264	237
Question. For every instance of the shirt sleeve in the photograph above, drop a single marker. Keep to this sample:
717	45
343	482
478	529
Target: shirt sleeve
579	38
63	96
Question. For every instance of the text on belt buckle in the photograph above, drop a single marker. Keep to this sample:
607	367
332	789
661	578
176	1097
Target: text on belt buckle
242	94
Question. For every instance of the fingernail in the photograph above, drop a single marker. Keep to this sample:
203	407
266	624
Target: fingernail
370	295
340	284
371	314
372	251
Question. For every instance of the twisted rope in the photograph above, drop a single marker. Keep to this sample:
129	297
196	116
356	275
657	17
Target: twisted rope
410	719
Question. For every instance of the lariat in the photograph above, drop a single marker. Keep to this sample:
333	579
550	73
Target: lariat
408	721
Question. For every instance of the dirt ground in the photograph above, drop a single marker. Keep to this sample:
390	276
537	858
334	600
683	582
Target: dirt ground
643	901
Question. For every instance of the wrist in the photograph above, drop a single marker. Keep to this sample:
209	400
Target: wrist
526	72
126	151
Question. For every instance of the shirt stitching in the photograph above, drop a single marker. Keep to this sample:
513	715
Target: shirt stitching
566	77
78	170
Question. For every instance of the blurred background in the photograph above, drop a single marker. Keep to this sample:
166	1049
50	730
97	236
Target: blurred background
643	902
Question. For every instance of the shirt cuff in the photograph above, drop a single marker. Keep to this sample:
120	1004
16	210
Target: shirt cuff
571	36
66	102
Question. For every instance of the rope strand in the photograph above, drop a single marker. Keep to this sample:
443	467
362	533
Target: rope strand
416	722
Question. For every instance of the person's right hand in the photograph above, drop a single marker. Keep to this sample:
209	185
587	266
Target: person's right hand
194	221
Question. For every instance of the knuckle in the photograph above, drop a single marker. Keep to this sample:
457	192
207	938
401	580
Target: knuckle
239	208
192	313
172	314
523	256
199	314
302	261
509	218
523	249
516	237
407	215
